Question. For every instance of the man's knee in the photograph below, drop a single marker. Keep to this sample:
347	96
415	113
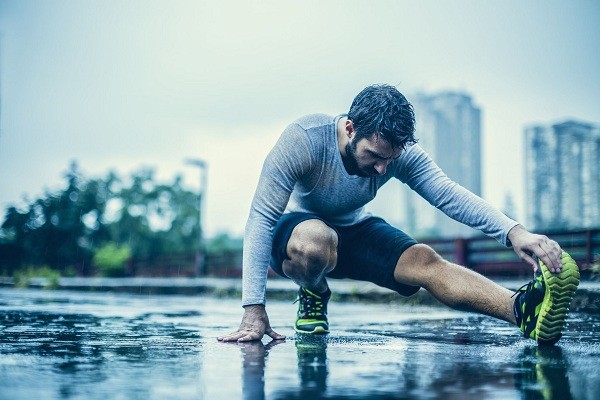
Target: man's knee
417	264
313	244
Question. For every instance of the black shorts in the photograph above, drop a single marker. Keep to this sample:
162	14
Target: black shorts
367	251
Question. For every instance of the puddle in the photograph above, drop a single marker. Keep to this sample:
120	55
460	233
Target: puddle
76	345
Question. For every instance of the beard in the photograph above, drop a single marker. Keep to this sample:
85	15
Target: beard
352	163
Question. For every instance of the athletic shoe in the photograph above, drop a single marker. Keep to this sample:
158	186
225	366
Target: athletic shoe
312	312
542	305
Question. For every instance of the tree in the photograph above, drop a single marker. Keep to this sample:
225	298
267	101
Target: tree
155	219
224	242
66	228
59	229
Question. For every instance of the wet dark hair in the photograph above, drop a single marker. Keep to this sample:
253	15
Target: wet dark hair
384	110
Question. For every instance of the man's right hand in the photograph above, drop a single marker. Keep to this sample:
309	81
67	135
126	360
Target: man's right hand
255	324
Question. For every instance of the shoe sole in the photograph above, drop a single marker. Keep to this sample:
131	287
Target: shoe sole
319	330
560	289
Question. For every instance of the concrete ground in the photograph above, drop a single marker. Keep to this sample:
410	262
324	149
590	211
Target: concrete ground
98	345
587	297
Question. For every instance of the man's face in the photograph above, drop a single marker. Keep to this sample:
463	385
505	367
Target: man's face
370	156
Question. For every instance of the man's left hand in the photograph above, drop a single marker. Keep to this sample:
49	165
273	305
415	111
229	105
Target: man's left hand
527	244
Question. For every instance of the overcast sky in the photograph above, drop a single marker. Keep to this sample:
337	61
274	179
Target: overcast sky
122	84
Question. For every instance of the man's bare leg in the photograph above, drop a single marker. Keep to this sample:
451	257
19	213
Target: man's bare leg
312	252
452	284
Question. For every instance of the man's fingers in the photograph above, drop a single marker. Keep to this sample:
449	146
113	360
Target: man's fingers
235	336
274	335
254	324
542	254
548	254
529	259
250	337
227	339
273	343
551	255
550	262
529	246
232	337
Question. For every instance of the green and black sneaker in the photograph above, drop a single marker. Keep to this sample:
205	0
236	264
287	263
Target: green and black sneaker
312	312
542	305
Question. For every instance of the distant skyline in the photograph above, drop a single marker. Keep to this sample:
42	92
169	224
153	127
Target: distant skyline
452	126
118	85
563	163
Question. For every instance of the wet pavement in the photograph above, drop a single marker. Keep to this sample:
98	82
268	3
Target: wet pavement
76	345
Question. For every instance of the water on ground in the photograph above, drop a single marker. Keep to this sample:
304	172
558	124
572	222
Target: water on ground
76	345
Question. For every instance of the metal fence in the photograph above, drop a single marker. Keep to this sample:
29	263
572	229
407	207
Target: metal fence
482	254
488	257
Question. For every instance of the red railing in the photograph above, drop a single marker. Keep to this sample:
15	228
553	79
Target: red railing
481	254
488	257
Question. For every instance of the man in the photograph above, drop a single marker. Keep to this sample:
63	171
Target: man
308	223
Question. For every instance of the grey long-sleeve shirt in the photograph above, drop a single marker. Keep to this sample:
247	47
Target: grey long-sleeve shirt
304	172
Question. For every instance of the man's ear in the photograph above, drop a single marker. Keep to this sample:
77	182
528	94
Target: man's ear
349	129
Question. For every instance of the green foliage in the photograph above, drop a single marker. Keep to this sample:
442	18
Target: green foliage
111	260
23	277
223	242
59	229
64	229
155	219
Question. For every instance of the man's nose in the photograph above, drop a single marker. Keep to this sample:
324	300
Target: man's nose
381	167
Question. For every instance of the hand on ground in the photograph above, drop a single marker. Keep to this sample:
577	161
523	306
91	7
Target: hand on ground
255	324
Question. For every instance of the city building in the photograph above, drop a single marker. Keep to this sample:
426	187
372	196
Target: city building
449	129
562	175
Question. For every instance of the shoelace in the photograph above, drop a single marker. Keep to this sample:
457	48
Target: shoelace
310	305
528	285
519	290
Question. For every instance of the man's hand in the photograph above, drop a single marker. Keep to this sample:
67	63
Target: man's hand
527	244
255	324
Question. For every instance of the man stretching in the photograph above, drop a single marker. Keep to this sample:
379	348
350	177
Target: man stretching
308	223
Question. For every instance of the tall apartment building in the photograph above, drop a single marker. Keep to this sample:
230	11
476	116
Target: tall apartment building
449	129
562	175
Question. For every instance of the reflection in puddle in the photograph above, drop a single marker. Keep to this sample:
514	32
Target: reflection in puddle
254	356
60	345
312	365
543	374
384	369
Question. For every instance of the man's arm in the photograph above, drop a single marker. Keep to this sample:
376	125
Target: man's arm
420	172
290	158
